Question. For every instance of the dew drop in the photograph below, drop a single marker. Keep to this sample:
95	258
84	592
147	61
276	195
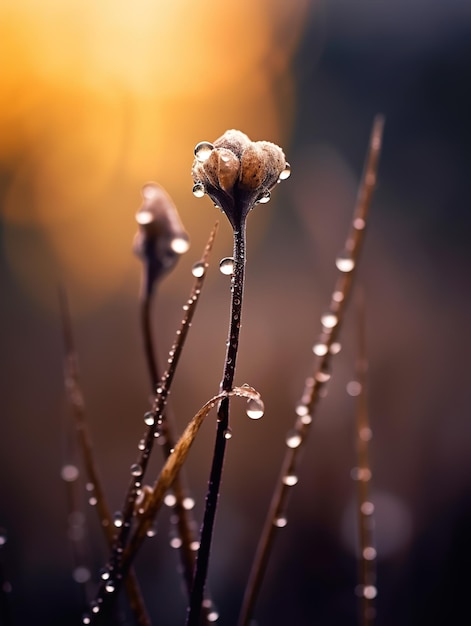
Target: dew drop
293	439
306	419
301	410
228	433
3	537
136	469
144	217
323	376
365	434
290	480
320	349
335	347
255	408
86	619
175	542
195	546
345	262
226	266
110	587
353	388
69	473
213	616
198	269
81	574
361	473
359	223
188	503
92	501
280	522
198	190
203	151
149	191
338	296
370	592
149	418
180	245
104	574
95	608
151	531
286	173
170	500
367	508
329	320
369	553
89	486
118	519
141	445
264	198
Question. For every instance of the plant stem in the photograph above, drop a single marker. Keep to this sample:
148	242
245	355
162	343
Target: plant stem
297	438
212	497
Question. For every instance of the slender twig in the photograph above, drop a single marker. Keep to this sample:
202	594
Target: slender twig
367	554
331	324
202	562
156	427
75	395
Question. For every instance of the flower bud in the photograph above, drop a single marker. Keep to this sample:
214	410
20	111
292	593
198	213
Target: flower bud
237	172
161	238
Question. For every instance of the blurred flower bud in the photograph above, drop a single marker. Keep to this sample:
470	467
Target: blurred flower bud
237	173
161	238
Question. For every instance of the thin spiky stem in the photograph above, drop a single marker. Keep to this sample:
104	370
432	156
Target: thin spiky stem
202	562
75	395
367	553
156	426
331	325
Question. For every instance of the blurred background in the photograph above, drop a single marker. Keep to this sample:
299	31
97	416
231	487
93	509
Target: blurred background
98	98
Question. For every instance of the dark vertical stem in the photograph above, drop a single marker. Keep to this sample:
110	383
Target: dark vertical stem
202	561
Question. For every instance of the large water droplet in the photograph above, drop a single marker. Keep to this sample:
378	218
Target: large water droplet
353	388
198	269
175	542
203	151
280	522
370	592
335	347
170	500
255	408
118	519
264	198
198	190
228	433
359	223
345	262
323	376
286	173
213	616
180	244
136	469
293	439
226	266
195	546
329	320
149	191
86	619
110	587
367	508
105	574
144	217
69	473
151	531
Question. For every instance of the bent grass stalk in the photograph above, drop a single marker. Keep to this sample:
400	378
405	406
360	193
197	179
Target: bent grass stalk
76	400
172	467
331	323
154	420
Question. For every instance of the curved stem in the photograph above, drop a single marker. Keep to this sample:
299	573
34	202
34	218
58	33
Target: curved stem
202	562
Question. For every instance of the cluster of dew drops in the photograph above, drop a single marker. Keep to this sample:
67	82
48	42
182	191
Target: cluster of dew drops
202	153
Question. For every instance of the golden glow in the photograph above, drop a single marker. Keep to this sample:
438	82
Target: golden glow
98	97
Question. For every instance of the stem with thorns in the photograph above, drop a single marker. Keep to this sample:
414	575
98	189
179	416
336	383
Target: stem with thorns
333	321
202	561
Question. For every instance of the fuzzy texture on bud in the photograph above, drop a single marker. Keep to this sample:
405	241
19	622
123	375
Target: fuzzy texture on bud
161	238
238	173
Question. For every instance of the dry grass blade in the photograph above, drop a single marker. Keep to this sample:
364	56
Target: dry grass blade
331	324
367	553
75	396
172	467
